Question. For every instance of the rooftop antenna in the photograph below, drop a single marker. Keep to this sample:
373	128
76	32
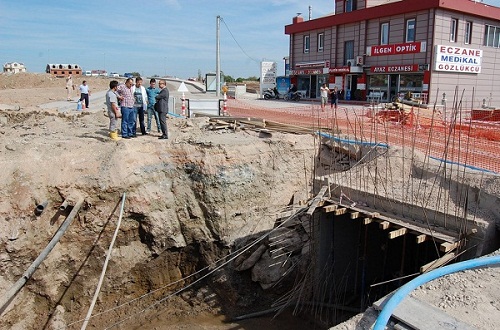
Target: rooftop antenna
298	14
310	12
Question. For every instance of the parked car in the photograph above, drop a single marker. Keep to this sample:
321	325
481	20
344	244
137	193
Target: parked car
114	74
128	75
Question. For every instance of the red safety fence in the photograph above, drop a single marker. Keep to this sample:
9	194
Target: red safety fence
452	136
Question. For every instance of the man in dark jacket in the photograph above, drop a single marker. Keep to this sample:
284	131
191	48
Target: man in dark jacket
162	107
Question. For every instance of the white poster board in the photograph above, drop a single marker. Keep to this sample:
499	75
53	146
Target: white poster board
267	75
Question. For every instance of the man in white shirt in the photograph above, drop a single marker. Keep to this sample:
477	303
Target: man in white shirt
84	93
140	105
324	96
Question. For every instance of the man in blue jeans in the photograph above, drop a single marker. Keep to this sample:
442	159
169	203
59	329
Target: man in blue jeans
140	104
152	91
127	101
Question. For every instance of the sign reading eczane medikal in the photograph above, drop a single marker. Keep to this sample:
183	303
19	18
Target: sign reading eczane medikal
457	59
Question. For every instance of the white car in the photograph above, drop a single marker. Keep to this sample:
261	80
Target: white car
114	74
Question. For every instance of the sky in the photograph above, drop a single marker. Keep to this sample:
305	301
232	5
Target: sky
162	37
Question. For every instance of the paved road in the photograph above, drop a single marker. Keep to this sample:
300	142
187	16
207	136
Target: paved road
98	99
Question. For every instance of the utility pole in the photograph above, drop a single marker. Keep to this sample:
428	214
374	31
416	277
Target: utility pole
217	58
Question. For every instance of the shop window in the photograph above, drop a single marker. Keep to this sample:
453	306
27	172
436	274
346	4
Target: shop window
492	36
321	41
410	82
384	33
350	5
307	44
453	29
410	30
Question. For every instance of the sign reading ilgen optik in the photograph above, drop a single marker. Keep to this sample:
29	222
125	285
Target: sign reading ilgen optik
457	59
397	49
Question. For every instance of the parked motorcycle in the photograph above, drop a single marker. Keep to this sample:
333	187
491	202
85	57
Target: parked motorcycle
294	96
271	93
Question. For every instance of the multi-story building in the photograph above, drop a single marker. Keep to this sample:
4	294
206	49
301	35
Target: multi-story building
62	70
14	67
386	48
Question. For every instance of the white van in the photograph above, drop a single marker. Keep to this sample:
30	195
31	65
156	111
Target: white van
87	73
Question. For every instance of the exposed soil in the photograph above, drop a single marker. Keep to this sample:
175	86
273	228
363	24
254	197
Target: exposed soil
188	200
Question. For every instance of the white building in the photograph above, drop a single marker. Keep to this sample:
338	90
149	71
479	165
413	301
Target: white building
14	67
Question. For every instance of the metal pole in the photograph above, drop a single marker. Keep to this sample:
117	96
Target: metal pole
217	58
108	256
31	269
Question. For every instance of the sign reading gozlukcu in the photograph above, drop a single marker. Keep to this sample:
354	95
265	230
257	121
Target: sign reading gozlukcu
457	59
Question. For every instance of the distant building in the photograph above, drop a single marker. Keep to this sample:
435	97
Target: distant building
14	67
385	48
62	70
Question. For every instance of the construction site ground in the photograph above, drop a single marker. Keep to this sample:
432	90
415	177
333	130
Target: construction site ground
50	151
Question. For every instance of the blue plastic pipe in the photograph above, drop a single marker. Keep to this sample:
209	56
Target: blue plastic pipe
402	292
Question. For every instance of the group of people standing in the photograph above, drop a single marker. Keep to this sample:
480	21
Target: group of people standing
333	94
131	100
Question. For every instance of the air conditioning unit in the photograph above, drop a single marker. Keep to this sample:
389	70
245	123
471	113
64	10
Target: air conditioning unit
350	62
360	60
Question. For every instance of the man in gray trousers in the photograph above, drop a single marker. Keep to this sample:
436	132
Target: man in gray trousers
161	106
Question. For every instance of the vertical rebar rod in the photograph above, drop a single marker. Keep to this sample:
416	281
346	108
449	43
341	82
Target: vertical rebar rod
108	256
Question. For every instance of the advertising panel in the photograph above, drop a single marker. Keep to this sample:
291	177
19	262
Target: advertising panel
267	75
457	59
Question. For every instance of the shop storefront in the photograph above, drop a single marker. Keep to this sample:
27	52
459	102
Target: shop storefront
309	80
396	80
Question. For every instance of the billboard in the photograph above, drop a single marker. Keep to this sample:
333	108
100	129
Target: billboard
267	75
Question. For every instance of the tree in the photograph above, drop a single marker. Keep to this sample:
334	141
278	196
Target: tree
228	78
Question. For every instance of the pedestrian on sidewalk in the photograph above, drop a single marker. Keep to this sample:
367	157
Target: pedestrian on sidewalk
334	98
325	91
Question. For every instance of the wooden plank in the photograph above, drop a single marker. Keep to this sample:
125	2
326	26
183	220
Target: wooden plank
285	214
410	311
367	221
340	211
330	208
384	225
441	235
317	200
398	232
354	215
447	246
421	238
437	263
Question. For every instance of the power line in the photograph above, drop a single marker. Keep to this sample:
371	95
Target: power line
237	43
